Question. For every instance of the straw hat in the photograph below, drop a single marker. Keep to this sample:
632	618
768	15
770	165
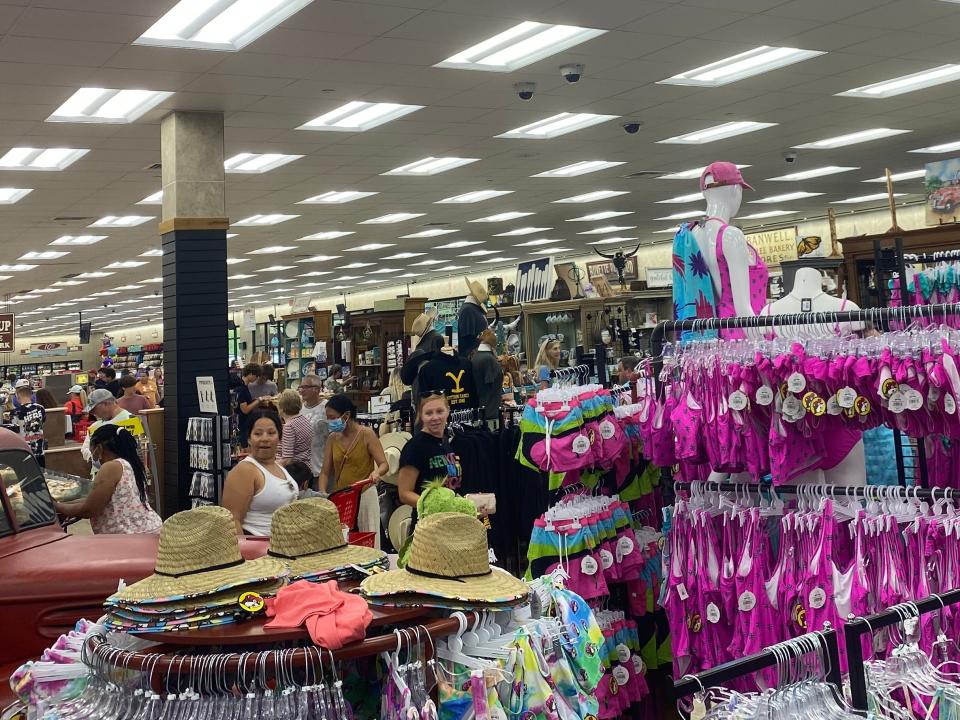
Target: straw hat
398	527
307	536
198	554
392	445
420	326
449	559
476	289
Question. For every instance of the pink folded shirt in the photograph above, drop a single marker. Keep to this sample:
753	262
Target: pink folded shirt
333	618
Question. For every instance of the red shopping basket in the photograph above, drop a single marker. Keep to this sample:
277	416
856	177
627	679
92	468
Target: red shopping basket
366	539
348	502
80	428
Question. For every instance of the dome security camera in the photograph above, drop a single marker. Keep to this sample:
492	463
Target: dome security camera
525	90
572	73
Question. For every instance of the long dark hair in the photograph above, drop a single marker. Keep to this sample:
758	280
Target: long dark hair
260	414
342	404
121	443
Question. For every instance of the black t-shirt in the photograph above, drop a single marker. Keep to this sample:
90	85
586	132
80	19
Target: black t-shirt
451	375
243	397
114	387
488	377
434	459
30	419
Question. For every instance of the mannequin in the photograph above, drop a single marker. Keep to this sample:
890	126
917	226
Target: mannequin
472	318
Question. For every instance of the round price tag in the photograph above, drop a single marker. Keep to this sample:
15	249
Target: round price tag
624	546
581	444
791	407
888	387
818	406
764	395
896	403
607	430
817	598
846	397
713	614
621	675
606	559
914	399
833	406
623	653
861	405
796	382
588	566
747	601
737	400
638	667
949	404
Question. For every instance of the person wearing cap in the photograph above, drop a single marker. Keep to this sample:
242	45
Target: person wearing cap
472	318
130	400
429	342
76	400
104	407
30	416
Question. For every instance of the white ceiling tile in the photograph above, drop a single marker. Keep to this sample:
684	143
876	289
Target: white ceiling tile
44	22
41	50
825	10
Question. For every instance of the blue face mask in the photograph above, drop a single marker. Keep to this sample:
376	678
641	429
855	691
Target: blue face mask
337	425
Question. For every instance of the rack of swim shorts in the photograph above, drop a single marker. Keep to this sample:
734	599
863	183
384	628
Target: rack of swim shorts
878	316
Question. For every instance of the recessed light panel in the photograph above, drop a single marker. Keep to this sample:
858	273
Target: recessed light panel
502	217
227	25
593	196
276	268
50	160
479	253
522	231
501	259
580	168
256	163
391	218
861	136
430	166
262	220
8	196
383	271
551	251
404	256
906	83
556	125
686	214
717	132
156	252
432	232
600	216
813	173
424	263
125	264
743	65
936	149
766	214
42	255
908	175
614	241
354	266
538	242
236	261
272	249
327	235
472	197
786	197
692	197
100	105
154	199
335	197
608	229
318	258
866	198
359	116
121	221
369	246
519	46
95	274
458	244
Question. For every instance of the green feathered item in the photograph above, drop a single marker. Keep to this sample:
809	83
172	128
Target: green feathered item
435	498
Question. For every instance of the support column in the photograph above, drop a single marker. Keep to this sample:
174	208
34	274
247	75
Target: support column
193	232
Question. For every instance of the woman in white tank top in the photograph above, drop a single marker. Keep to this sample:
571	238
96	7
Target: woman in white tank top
259	485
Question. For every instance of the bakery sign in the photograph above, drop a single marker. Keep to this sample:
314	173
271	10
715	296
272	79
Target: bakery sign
6	332
775	246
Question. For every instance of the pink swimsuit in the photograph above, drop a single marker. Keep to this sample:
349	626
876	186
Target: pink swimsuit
758	276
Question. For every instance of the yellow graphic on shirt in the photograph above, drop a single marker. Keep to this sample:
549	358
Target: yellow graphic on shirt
456	381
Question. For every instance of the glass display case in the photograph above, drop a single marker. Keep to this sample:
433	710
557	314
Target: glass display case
306	345
573	322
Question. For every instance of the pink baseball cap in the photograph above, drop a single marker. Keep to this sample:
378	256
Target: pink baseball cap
723	173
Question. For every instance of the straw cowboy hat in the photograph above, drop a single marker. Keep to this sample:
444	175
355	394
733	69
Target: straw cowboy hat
398	527
476	289
307	536
199	554
392	445
423	323
448	559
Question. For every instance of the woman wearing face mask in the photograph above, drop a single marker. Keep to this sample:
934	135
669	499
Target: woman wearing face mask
353	452
117	503
428	457
258	484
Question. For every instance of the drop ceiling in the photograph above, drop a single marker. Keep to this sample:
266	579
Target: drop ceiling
337	51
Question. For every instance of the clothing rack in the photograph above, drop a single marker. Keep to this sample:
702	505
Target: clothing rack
466	416
935	256
581	373
858	627
877	492
767	658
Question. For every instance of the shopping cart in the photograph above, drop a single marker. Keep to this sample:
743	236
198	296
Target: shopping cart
348	504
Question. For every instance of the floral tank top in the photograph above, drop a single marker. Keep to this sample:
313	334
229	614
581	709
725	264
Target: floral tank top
125	513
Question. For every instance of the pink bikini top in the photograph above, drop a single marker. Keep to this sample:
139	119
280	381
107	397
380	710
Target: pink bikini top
758	276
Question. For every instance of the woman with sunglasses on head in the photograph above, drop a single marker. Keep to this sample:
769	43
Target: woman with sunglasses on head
428	457
117	503
547	359
353	452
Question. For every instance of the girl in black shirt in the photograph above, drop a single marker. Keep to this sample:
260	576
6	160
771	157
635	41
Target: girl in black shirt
428	456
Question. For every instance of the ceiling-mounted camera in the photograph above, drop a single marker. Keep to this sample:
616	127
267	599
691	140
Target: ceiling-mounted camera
525	90
790	156
632	127
572	73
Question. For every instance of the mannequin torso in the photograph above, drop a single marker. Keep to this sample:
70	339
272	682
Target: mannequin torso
807	295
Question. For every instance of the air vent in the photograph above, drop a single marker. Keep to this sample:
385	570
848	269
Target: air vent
68	276
645	174
70	218
435	224
155	166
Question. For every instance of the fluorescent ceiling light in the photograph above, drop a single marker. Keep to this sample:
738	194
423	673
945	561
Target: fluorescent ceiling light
234	261
579	168
403	256
125	264
865	198
670	230
930	149
318	258
409	275
430	166
354	266
372	281
614	241
766	214
692	197
359	116
458	244
601	216
134	287
433	232
276	268
261	220
691	174
480	253
382	271
519	46
757	61
241	276
256	163
717	132
860	136
153	280
100	105
451	268
391	218
154	199
369	246
278	281
8	196
538	243
104	293
906	83
503	217
327	235
232	235
272	249
350	277
490	261
593	196
121	221
557	125
522	231
27	158
683	215
908	175
95	274
786	197
335	197
156	252
607	229
551	251
423	263
316	273
472	197
227	25
42	255
26	296
814	173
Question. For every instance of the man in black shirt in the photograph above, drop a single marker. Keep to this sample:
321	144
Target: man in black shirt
107	378
245	401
